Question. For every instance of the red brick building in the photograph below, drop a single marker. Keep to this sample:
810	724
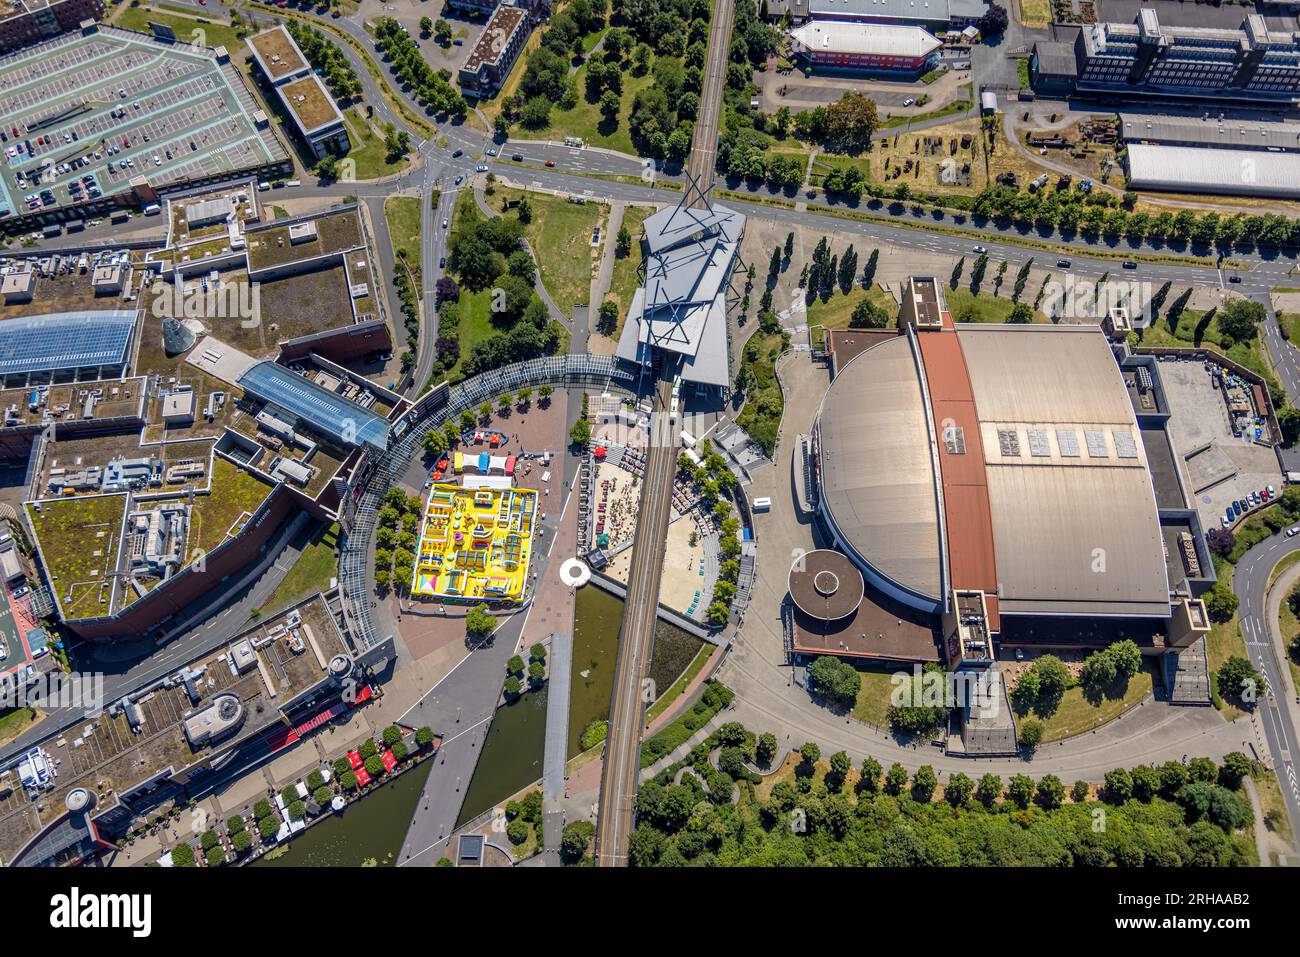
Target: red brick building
23	22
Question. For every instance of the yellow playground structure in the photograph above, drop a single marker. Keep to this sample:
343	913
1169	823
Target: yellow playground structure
475	543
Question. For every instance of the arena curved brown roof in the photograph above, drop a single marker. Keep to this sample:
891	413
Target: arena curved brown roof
826	585
878	481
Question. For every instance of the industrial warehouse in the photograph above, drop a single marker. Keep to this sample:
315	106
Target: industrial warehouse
994	484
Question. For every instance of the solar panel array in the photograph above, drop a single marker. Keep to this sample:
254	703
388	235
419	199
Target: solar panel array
1125	446
325	411
60	341
1096	442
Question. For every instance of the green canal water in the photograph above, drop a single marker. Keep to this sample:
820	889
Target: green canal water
372	828
512	754
514	748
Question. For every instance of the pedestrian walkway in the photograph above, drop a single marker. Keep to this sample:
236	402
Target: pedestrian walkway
557	739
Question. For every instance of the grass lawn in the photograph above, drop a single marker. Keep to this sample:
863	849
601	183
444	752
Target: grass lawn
15	721
825	162
369	152
234	492
872	705
585	118
836	311
1287	322
623	283
403	215
560	235
318	563
764	403
1194	328
675	690
1076	714
1276	817
1288	625
952	108
967	306
215	33
1035	13
79	544
1224	641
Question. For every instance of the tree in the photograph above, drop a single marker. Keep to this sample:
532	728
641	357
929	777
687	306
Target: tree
328	167
1240	318
1220	603
896	779
836	680
765	749
1238	679
868	315
869	781
515	666
574	841
989	790
923	784
608	319
1221	541
479	622
1236	766
1051	791
810	753
1021	790
1031	733
435	442
1020	313
580	433
442	31
517	831
959	789
1079	793
183	855
426	25
1119	786
994	21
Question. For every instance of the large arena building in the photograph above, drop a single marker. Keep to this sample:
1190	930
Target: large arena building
995	476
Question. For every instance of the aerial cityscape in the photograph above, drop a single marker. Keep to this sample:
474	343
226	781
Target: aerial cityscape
914	381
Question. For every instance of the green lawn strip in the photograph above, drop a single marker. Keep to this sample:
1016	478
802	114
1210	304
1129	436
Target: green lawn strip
560	236
214	34
1225	641
716	696
1287	624
403	214
764	401
948	109
1273	804
318	563
675	690
1193	330
872	704
1077	715
15	721
835	312
623	283
369	151
925	225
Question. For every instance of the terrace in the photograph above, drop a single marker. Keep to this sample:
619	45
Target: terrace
79	540
272	246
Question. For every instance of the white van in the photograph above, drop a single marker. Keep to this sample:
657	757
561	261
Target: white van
762	504
294	182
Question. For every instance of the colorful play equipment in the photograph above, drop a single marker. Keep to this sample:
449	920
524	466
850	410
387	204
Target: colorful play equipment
475	544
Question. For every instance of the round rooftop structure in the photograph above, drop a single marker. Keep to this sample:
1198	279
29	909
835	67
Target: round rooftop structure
877	477
826	585
79	800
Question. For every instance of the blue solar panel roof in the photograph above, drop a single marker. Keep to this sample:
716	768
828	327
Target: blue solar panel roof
65	340
329	413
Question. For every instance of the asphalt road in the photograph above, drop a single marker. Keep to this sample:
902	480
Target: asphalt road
1250	582
622	760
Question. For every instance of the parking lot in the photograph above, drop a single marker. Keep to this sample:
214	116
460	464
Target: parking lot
84	115
1218	467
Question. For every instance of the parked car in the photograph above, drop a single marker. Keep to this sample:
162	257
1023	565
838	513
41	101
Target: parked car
1063	263
1293	531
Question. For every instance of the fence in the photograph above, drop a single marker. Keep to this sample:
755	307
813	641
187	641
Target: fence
354	557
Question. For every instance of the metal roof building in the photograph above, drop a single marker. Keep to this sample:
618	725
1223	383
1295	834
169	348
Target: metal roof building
65	342
681	306
1001	458
866	39
1199	169
1210	131
327	412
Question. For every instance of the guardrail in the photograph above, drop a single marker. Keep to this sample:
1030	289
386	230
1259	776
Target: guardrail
355	567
